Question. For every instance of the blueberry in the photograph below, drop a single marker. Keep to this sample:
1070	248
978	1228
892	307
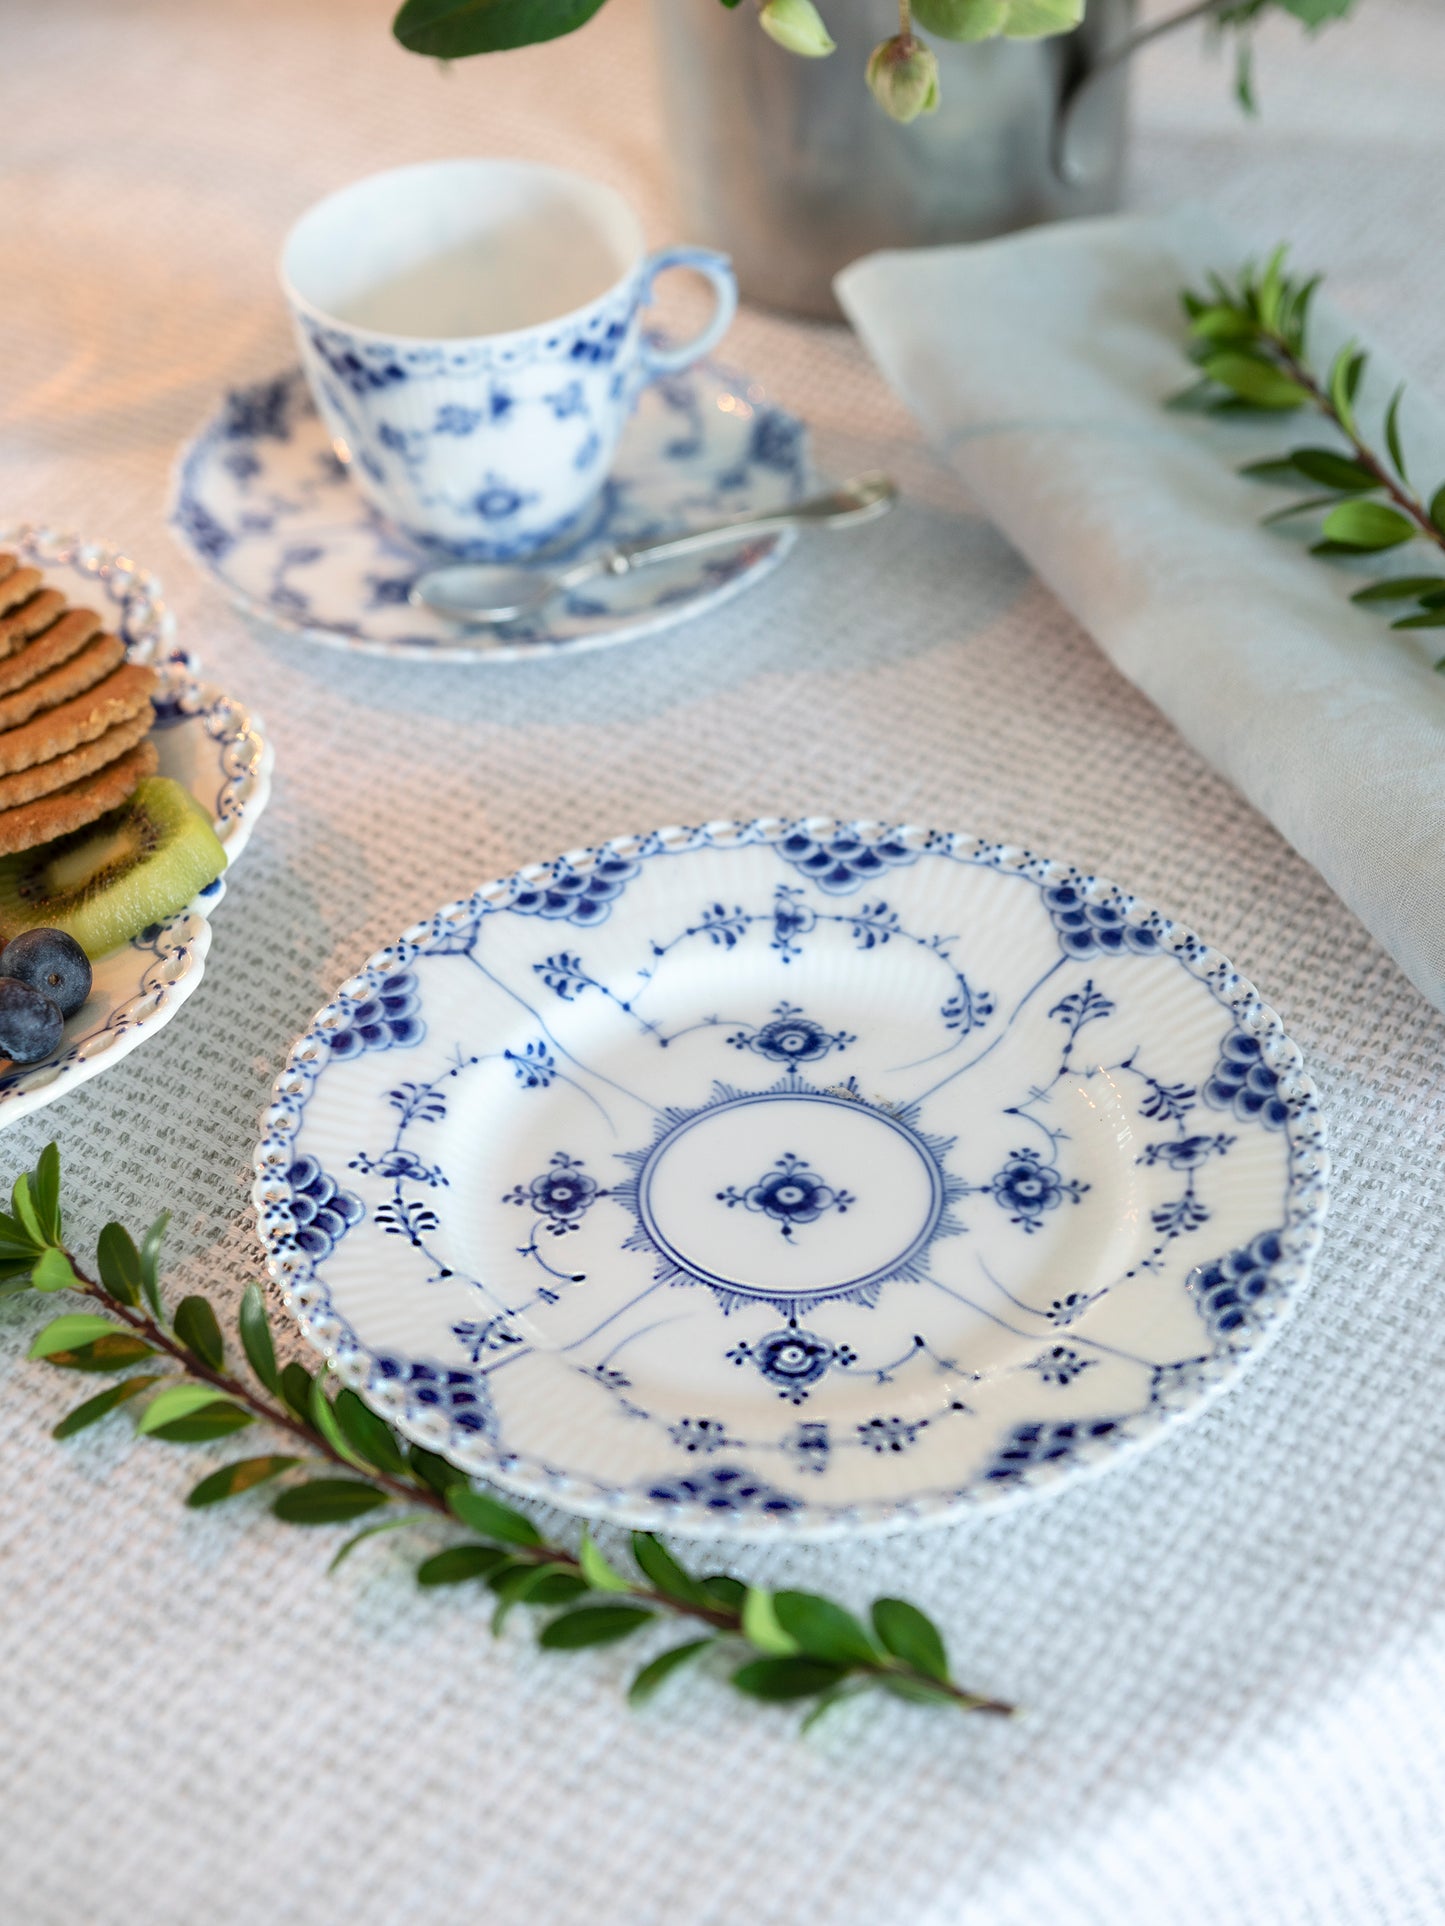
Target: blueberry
50	961
30	1022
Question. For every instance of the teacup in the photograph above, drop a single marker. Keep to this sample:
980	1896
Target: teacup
472	333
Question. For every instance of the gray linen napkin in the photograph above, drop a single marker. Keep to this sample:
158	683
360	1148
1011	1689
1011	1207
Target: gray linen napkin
1037	364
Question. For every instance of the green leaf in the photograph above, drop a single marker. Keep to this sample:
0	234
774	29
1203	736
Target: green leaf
1223	324
45	1192
23	1205
1271	289
1436	599
1299	312
114	1352
726	1591
1344	378
324	1419
1314	13
761	1627
327	1501
556	1585
1399	588
53	1272
1255	381
911	1636
178	1401
216	1420
593	1625
824	1630
1332	470
296	1390
94	1409
661	1569
15	1241
916	1691
600	1575
489	1518
368	1531
196	1327
438	1473
118	1262
458	1563
653	1674
511	1582
1244	77
453	29
1429	619
1308	506
255	1329
521	1582
369	1436
782	1679
1367	525
1280	472
231	1480
1392	433
1197	396
1437	509
150	1258
65	1333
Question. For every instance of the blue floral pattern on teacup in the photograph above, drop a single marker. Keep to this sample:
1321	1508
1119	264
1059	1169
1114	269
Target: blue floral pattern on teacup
495	447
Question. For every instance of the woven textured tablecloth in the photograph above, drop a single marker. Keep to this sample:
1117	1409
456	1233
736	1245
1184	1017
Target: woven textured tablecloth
1231	1649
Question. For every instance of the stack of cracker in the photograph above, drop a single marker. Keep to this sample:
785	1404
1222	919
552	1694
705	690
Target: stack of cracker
74	714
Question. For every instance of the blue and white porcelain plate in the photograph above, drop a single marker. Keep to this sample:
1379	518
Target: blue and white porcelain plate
264	505
791	1177
206	740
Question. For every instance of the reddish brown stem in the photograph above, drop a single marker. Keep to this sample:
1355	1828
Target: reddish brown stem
719	1617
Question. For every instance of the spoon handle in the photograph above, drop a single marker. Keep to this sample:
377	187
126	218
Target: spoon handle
856	501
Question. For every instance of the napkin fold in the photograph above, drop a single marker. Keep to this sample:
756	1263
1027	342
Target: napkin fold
1038	365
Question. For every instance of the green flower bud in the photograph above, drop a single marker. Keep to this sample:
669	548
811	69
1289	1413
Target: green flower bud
903	75
962	19
1035	19
798	26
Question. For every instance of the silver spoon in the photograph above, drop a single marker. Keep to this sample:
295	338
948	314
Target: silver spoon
482	594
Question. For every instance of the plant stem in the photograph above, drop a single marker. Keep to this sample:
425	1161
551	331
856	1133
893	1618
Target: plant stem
1407	503
720	1618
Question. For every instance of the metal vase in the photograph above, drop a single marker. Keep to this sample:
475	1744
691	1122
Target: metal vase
792	168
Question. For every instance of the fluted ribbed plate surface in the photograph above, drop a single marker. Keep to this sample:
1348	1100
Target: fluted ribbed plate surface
795	1177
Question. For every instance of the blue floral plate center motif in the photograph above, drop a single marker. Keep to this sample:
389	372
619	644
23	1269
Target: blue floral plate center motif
792	1176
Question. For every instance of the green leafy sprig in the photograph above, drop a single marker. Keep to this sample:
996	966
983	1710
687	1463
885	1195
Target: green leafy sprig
1249	344
335	1461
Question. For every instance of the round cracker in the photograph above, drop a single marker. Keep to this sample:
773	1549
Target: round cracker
123	694
75	807
53	646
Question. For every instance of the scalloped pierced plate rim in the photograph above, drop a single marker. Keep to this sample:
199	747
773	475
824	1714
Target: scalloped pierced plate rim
1303	1209
764	555
171	959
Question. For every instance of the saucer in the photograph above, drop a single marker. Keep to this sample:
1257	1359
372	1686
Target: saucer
205	740
264	505
791	1178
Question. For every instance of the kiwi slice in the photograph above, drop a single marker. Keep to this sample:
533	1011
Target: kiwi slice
109	881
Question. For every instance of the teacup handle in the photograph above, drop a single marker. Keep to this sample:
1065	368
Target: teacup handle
718	269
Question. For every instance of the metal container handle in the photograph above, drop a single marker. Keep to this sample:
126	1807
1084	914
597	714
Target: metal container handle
1083	143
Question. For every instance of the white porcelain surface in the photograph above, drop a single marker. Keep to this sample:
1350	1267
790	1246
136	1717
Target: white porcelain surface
796	1177
472	334
206	741
262	504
